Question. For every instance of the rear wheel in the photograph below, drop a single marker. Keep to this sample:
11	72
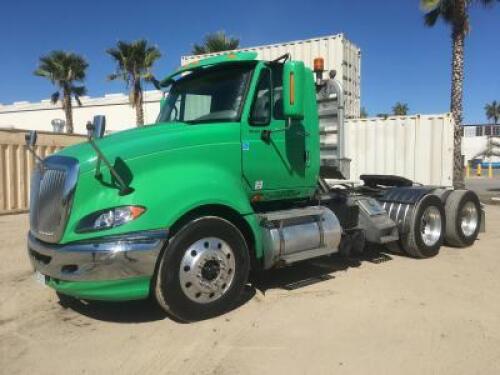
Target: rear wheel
426	231
203	270
463	218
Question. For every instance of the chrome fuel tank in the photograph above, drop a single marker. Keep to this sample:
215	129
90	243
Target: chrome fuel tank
293	235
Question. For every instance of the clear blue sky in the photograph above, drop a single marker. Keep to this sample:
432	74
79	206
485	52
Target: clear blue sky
401	59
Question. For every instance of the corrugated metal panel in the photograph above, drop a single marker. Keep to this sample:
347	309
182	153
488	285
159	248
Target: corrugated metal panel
16	165
417	147
339	53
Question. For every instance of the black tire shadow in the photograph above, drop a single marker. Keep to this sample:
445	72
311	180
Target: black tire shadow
140	311
287	278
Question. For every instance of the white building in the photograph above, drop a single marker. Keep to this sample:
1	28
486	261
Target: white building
481	141
119	114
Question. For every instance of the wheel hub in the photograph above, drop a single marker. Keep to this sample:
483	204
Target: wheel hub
207	270
469	219
430	226
210	270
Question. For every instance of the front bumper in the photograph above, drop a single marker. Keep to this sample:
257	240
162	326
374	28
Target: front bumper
111	258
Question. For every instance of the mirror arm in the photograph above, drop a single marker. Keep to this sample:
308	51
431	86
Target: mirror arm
30	139
98	173
124	188
38	158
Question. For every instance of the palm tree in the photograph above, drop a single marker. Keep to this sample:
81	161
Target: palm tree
134	64
64	69
455	13
400	109
493	111
216	42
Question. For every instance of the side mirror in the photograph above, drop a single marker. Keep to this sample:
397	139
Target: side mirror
293	89
30	138
97	127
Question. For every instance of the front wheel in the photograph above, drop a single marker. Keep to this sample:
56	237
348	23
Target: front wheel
203	270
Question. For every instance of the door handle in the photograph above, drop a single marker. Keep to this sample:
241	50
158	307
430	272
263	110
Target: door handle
265	135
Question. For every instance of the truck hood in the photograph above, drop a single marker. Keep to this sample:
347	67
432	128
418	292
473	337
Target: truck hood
138	142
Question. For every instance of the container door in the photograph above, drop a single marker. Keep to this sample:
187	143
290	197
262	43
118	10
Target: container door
274	155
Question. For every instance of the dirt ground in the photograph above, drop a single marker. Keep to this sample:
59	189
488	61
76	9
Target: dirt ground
382	314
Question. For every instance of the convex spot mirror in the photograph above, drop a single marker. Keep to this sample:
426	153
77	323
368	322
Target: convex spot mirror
30	138
97	128
293	89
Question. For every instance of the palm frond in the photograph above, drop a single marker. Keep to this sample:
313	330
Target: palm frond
112	76
149	77
78	90
216	42
431	17
63	69
134	63
429	5
54	98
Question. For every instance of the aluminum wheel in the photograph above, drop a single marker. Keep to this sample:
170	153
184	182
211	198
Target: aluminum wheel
207	270
430	226
469	219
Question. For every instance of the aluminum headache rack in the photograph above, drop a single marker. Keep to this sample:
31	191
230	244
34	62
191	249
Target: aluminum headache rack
331	114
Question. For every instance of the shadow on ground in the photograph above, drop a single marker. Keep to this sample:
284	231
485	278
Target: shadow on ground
313	271
288	278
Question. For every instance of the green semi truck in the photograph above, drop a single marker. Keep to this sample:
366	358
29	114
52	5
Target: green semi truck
230	179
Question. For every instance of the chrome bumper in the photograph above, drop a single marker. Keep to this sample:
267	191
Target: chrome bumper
106	258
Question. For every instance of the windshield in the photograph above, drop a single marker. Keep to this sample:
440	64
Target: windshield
214	94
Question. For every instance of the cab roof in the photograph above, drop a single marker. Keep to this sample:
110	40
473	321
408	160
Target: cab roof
226	58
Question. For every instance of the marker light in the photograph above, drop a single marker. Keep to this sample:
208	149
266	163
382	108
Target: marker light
292	88
319	64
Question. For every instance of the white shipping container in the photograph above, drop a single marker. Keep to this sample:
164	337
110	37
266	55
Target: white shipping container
338	53
417	147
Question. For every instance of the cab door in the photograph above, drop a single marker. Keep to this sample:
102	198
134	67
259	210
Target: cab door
274	154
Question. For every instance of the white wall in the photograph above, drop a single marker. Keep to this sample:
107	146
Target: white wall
119	114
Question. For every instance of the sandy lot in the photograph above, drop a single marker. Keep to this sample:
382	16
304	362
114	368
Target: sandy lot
378	315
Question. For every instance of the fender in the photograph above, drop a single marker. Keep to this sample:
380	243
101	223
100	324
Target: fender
169	184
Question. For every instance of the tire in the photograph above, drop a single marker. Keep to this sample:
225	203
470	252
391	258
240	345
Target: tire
463	218
66	301
203	270
426	231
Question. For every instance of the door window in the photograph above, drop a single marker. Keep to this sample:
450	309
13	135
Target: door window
261	107
277	73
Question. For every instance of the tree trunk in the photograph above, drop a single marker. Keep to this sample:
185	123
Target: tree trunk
457	79
68	111
138	102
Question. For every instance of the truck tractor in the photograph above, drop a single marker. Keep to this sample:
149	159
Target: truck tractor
232	177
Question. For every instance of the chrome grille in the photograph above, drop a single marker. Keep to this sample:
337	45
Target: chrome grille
52	188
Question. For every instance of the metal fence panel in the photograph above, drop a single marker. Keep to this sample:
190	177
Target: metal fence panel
16	165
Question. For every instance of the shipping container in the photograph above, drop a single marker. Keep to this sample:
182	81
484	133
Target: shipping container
418	147
337	51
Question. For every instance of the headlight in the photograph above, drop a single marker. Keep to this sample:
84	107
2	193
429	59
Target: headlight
109	218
